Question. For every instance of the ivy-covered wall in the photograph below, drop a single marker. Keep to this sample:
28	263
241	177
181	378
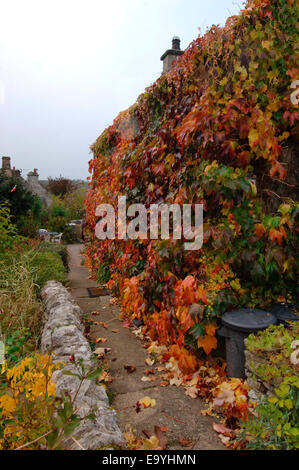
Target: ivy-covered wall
221	120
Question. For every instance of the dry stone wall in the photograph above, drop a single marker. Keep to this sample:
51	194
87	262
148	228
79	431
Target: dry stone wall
63	337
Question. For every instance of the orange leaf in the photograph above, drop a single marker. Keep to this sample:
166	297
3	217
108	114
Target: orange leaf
277	235
207	343
210	329
259	230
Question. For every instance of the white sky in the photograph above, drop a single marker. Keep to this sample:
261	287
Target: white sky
68	67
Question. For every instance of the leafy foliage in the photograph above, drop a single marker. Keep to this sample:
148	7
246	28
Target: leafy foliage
202	134
60	186
274	425
272	350
21	201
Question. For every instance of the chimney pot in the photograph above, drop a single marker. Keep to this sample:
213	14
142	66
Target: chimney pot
176	43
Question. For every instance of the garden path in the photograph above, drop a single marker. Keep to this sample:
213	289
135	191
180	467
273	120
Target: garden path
178	412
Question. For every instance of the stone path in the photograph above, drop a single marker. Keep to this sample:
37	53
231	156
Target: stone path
178	412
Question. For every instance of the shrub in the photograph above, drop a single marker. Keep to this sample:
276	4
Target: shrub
22	202
272	350
56	248
57	223
27	409
59	211
8	231
69	235
274	425
60	186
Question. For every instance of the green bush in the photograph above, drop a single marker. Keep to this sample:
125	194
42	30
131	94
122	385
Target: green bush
59	211
272	349
274	425
69	235
57	223
56	248
8	231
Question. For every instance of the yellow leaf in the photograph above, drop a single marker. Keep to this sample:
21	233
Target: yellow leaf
253	137
147	402
151	444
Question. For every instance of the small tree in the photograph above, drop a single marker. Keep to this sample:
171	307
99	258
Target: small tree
21	201
60	186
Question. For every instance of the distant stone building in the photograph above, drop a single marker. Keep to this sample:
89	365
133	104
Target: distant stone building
32	181
6	169
170	56
36	188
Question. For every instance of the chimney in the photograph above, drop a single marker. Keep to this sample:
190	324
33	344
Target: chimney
170	55
5	163
32	176
176	43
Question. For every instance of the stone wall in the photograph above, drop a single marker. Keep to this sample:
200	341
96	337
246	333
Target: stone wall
63	337
259	386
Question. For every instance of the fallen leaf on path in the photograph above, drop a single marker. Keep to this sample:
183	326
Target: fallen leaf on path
161	437
151	444
185	442
115	331
164	383
192	382
130	369
127	324
192	392
164	428
102	351
149	379
175	381
221	429
149	361
103	324
160	368
149	371
224	439
113	301
207	411
101	340
147	402
95	313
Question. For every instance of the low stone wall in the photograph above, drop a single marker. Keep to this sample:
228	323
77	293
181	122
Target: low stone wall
63	337
258	386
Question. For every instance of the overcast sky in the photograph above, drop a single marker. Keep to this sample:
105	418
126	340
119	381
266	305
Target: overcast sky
68	67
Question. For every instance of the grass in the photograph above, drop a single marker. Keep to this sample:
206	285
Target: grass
22	276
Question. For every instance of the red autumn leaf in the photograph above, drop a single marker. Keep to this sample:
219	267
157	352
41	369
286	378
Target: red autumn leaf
130	369
161	436
277	235
185	442
278	168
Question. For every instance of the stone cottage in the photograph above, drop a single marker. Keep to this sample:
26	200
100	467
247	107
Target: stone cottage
32	181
